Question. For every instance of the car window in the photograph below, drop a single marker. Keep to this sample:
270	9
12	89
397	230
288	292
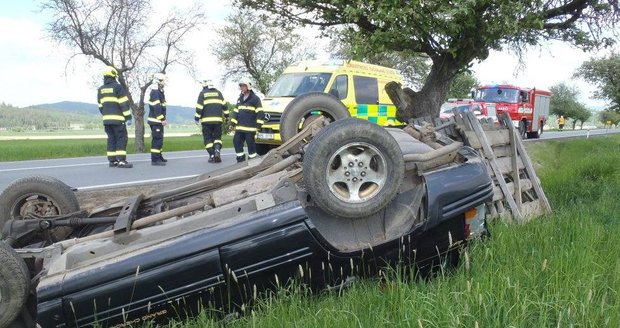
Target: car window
340	88
295	84
366	90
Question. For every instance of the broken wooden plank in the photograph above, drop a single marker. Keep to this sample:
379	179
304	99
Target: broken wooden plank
506	166
515	161
488	153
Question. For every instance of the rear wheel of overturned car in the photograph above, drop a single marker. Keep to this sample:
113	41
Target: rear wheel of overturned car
308	107
38	196
14	284
353	168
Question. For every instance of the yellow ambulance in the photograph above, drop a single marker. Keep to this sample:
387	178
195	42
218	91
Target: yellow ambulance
359	87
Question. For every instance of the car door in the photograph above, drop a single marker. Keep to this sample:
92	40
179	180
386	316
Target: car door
366	98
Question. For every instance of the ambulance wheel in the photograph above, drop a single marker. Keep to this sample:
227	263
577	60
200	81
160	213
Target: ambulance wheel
14	285
308	107
353	168
41	196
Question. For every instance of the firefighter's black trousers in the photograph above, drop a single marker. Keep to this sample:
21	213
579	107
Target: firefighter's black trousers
117	142
212	137
238	140
157	142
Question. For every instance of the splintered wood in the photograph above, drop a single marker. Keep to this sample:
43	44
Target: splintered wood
518	194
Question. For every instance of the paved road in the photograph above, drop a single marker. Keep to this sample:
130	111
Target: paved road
87	173
90	173
547	135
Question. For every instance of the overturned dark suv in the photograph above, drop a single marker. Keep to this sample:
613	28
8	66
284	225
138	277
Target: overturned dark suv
337	201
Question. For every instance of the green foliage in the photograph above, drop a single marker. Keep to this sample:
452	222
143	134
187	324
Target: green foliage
452	34
609	116
564	102
604	73
462	85
251	47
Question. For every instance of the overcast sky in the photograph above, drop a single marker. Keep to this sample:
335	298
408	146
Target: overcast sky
34	69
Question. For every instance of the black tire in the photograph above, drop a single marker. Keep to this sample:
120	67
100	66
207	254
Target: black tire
14	284
537	133
43	195
523	129
359	141
301	108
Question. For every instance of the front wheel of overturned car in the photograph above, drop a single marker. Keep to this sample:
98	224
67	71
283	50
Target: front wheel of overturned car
14	284
353	168
38	196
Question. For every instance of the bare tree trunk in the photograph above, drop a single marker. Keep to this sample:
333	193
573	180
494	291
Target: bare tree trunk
428	100
138	114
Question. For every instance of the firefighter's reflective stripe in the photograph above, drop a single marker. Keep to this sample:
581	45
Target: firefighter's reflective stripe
261	122
160	117
249	108
198	107
245	128
127	112
121	152
156	151
209	145
211	119
252	155
107	90
111	153
113	100
226	112
214	101
234	120
153	103
197	115
113	117
217	141
154	120
240	154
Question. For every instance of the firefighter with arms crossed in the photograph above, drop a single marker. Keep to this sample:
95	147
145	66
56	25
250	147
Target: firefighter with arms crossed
114	106
210	110
248	118
157	119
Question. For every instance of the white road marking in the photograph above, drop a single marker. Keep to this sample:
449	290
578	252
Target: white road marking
98	163
134	182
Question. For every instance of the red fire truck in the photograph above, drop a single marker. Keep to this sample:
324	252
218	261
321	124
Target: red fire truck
528	107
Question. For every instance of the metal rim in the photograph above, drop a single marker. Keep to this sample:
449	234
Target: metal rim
35	203
356	172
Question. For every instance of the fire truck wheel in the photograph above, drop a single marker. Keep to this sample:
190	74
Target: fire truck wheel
353	168
537	133
14	284
305	108
41	196
523	129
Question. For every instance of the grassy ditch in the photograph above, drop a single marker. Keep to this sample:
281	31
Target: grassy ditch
561	270
19	150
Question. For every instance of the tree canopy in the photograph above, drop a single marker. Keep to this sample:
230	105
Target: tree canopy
251	47
451	33
605	74
564	102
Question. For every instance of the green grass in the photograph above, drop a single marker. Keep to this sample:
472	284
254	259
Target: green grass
561	270
19	150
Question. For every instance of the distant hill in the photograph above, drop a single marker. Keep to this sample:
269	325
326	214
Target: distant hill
175	114
33	118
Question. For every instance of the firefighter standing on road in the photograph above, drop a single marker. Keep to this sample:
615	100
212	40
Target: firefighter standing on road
114	106
247	118
210	108
561	122
157	119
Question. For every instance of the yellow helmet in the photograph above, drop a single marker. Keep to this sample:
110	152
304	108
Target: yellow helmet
110	71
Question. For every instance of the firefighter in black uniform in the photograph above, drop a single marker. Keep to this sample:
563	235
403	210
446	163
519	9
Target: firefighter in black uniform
210	108
248	118
157	119
114	106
